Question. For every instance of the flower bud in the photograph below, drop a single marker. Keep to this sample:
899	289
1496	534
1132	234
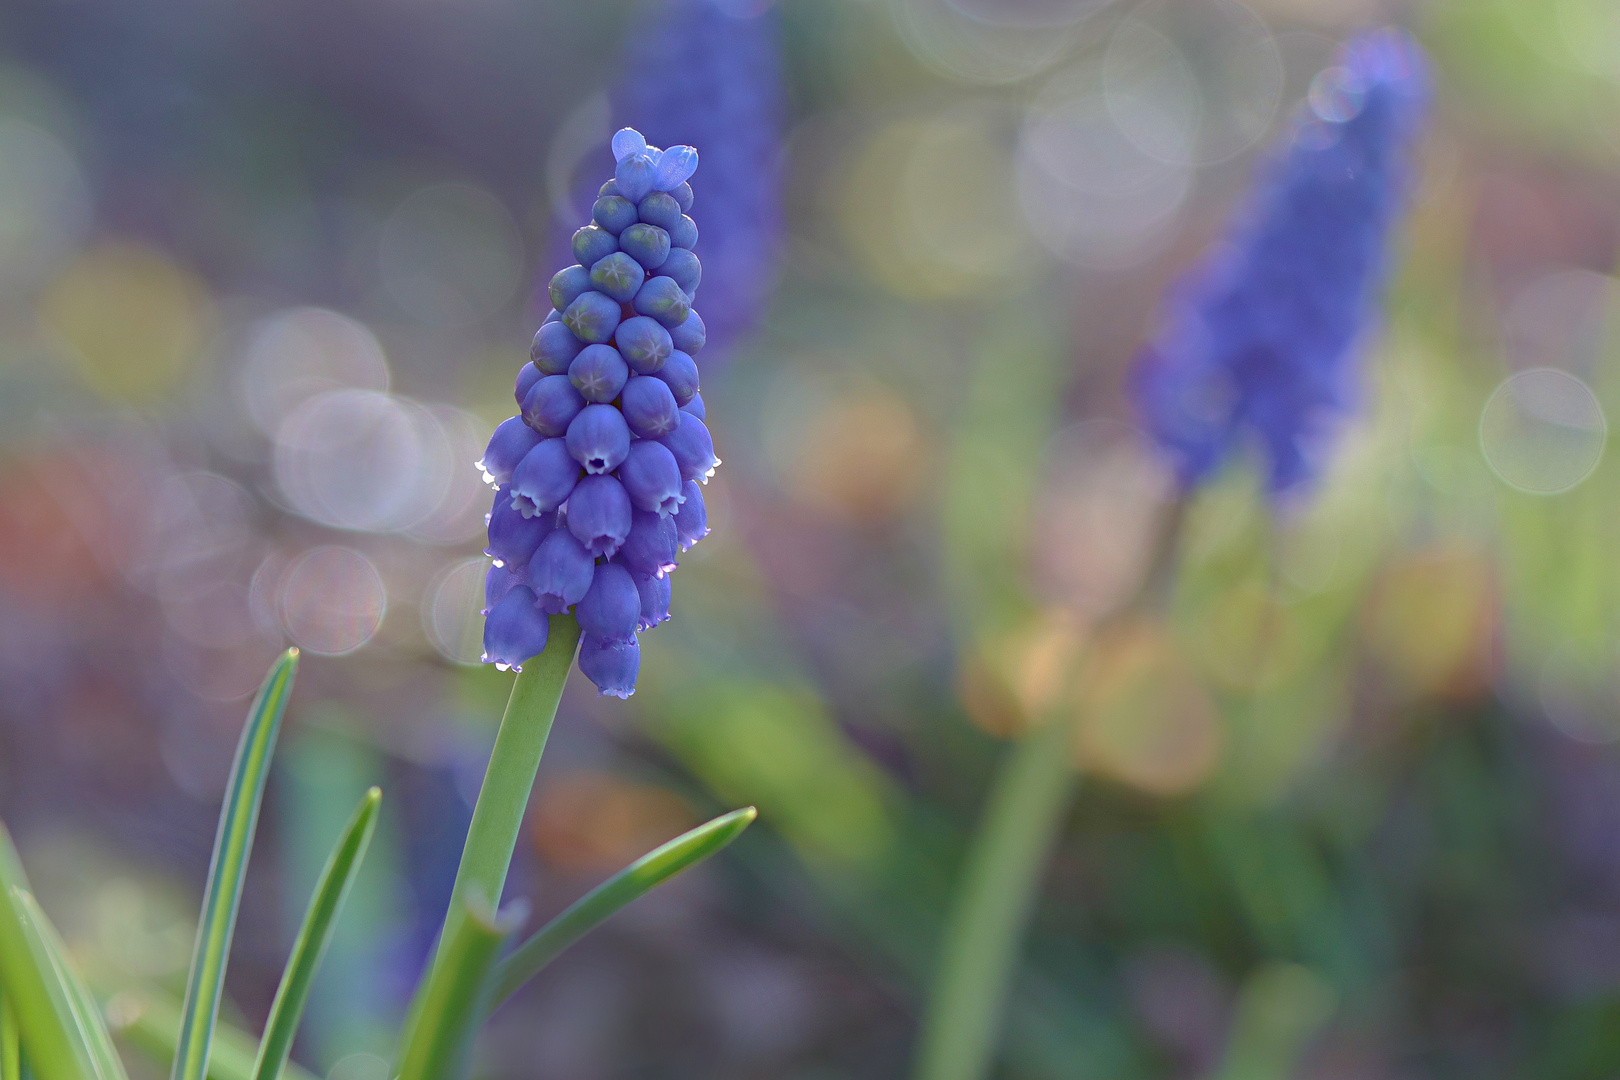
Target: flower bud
691	517
593	317
499	581
554	348
617	275
660	209
560	571
680	374
662	299
598	373
627	141
655	593
684	234
643	343
545	478
513	537
511	441
528	375
515	630
599	515
567	285
684	269
612	667
614	213
651	546
649	406
647	244
551	405
634	175
674	166
693	448
691	335
598	438
611	607
593	243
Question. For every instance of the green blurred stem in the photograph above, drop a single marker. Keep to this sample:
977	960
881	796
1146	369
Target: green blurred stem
1000	881
509	778
10	1047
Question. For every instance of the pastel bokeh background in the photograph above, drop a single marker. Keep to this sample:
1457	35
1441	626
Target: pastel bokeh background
1350	797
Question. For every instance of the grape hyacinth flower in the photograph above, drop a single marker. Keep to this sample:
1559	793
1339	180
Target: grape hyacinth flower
1261	341
598	475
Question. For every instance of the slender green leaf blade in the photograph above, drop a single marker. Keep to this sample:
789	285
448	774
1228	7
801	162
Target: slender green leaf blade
635	880
46	1024
149	1021
86	1013
293	993
238	819
10	1044
457	990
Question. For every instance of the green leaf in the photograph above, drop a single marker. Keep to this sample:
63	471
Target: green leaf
457	990
640	877
238	819
46	1025
149	1021
313	937
92	1029
10	1047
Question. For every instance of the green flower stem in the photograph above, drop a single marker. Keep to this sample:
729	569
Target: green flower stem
1002	873
1000	881
513	762
509	778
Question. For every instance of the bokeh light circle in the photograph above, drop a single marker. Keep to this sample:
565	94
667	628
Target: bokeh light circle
1542	431
990	41
450	255
357	459
1580	689
295	354
1088	192
332	600
1193	84
452	607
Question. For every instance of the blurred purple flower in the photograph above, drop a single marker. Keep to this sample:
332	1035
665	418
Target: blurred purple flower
709	75
1261	340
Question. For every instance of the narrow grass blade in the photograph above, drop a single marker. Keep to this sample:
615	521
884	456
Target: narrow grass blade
149	1022
46	1026
10	1045
637	879
238	819
86	1013
293	993
457	991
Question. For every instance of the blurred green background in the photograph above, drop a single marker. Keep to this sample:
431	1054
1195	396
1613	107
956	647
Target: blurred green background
1350	799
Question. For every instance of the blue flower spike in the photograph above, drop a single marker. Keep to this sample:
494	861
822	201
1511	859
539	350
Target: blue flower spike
1260	343
596	477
